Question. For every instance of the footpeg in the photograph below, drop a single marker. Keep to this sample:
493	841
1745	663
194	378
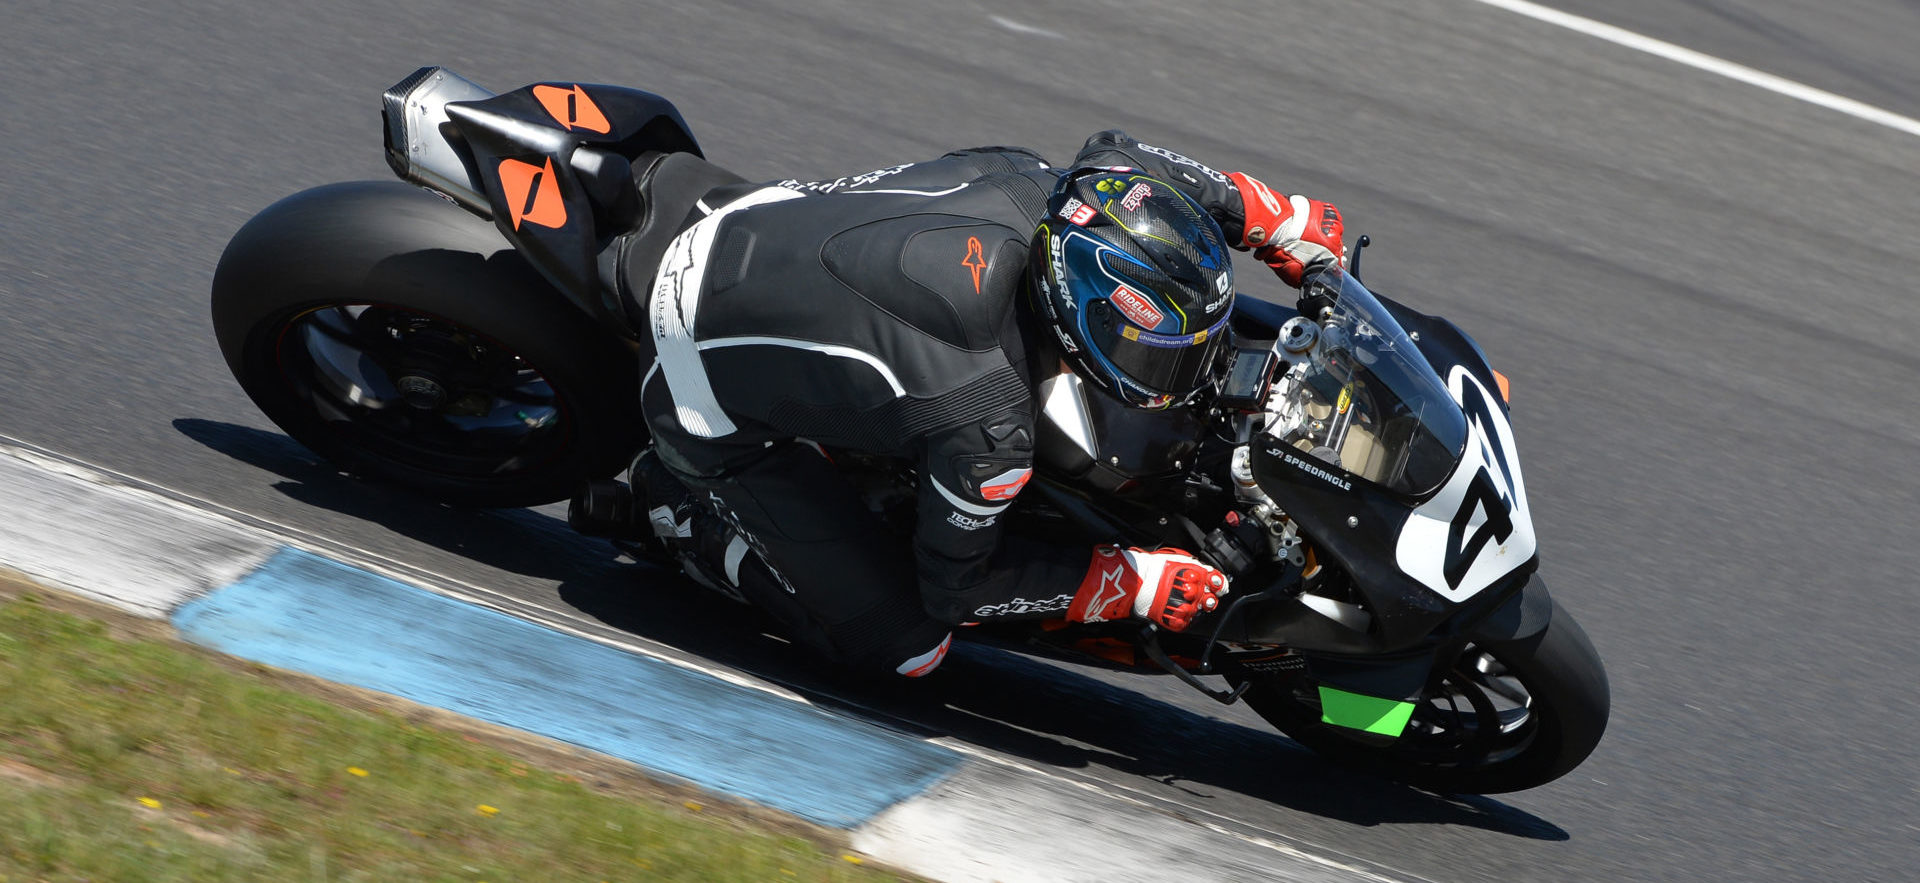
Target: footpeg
604	508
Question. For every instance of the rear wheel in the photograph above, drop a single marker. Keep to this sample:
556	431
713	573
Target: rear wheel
402	338
1498	717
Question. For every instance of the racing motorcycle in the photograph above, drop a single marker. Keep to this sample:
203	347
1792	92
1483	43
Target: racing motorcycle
461	333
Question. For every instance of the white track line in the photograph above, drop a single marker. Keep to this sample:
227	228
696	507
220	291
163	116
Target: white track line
1022	28
1710	64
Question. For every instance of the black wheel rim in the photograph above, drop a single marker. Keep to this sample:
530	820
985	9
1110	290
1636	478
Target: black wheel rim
421	392
1476	713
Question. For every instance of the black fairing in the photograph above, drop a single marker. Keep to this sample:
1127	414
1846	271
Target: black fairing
589	172
1322	498
1444	343
1133	447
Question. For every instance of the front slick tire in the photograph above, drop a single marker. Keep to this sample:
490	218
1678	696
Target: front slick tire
1501	716
403	339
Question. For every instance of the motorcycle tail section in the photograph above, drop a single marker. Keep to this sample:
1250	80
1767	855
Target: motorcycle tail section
551	164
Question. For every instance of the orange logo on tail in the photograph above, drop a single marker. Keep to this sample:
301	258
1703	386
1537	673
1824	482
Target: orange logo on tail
532	193
572	108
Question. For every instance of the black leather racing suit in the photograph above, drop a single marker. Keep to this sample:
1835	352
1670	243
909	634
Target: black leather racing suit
877	313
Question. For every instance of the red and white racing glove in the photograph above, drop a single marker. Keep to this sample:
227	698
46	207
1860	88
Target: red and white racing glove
1291	233
1167	587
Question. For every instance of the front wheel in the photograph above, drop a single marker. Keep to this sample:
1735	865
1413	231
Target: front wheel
1499	716
405	340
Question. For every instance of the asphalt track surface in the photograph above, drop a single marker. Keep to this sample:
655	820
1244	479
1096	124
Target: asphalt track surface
1702	291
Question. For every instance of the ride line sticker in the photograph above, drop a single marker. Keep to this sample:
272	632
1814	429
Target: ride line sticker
1136	308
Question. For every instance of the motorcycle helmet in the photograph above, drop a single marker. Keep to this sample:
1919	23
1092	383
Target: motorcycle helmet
1134	281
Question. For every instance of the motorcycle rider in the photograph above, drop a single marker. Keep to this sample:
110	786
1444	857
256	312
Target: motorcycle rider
914	312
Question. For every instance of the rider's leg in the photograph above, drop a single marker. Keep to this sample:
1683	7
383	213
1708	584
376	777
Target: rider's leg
790	535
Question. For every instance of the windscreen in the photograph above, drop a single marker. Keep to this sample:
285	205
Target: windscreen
1359	395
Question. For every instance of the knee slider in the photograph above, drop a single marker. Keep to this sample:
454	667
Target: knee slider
896	636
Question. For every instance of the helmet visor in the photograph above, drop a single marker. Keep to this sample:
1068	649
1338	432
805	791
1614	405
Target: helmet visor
1158	364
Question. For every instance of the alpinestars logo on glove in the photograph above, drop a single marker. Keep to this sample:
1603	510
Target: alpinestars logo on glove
1022	605
1108	580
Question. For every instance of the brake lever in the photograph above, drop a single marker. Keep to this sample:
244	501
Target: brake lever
1149	641
1353	258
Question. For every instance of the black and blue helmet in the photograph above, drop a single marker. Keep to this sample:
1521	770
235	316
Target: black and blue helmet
1134	279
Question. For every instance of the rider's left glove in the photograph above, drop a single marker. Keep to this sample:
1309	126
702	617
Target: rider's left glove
1291	234
1167	587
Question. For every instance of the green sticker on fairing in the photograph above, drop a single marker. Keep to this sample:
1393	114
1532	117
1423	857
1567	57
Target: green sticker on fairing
1387	717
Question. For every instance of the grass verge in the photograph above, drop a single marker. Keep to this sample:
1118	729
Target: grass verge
126	755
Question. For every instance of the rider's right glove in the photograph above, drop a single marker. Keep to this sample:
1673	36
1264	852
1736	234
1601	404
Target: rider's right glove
1291	234
1167	587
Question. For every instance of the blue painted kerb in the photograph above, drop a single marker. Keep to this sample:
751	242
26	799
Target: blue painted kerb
307	613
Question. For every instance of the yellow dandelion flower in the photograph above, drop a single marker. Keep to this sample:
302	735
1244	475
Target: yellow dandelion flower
693	806
854	859
357	771
486	810
149	803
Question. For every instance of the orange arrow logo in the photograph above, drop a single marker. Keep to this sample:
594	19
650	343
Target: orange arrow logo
974	261
572	108
532	193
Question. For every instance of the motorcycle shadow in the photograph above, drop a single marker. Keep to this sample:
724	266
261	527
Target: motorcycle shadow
1058	715
521	541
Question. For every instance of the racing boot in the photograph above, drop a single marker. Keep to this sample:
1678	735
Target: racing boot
683	534
645	520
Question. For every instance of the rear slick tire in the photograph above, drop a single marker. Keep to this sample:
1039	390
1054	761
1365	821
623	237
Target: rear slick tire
1450	752
404	339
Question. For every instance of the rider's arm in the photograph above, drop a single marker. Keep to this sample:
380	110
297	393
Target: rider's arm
1215	191
970	568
